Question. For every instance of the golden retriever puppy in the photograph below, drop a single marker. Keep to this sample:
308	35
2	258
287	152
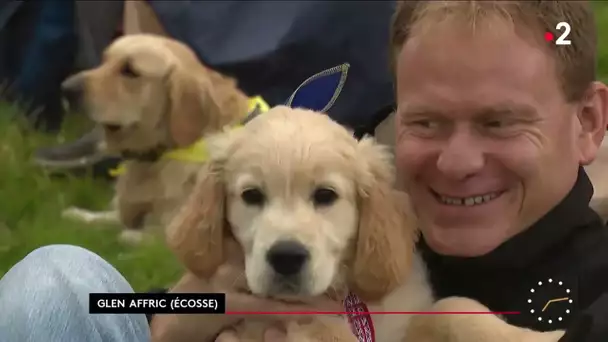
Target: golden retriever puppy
153	101
314	213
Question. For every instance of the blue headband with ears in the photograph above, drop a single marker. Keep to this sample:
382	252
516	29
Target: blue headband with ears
320	91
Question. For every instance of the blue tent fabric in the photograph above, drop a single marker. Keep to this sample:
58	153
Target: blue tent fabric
272	47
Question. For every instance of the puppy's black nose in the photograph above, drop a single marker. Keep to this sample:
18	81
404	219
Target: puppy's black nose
287	257
72	90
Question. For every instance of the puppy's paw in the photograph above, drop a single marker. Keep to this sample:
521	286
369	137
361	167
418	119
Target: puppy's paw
78	214
131	237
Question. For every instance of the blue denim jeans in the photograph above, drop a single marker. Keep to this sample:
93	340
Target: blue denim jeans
45	298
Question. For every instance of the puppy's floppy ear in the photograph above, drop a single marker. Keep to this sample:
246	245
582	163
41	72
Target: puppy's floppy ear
196	233
387	231
193	104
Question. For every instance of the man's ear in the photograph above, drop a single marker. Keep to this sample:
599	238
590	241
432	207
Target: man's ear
593	117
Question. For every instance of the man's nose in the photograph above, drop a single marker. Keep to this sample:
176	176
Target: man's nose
73	89
462	156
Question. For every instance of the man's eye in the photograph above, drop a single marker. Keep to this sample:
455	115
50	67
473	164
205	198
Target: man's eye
500	125
426	124
423	123
501	128
424	127
495	124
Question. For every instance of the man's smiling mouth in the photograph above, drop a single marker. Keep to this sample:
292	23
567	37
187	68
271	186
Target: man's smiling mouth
467	201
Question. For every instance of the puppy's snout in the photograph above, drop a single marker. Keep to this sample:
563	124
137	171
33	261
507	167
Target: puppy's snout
73	89
287	257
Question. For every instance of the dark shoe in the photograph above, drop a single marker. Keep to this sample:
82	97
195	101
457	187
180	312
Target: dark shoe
77	154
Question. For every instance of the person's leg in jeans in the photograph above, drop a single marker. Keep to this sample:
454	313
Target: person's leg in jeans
44	298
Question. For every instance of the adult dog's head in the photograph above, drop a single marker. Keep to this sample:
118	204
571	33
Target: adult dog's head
152	92
311	207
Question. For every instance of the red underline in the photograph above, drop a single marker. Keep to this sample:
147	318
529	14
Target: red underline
370	313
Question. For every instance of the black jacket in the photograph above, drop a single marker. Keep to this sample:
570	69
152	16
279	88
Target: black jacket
566	252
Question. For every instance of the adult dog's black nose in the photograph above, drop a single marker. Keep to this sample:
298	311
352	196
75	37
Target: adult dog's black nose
72	90
287	257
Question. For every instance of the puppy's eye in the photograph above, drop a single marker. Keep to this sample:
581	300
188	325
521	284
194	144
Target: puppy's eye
128	71
324	197
253	196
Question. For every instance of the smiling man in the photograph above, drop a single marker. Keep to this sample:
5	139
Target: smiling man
493	126
488	138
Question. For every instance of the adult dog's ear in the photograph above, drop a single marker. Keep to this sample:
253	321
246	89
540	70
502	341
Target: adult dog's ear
196	233
387	232
193	105
202	101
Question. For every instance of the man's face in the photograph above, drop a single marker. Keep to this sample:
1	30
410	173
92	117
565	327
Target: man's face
486	142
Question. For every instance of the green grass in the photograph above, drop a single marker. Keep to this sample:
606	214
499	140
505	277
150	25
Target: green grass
31	201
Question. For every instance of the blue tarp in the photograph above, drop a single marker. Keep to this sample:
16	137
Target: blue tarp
271	47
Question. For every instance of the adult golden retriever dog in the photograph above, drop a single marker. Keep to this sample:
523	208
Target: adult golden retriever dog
312	213
153	101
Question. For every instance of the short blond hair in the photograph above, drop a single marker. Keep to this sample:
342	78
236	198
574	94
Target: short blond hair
576	63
